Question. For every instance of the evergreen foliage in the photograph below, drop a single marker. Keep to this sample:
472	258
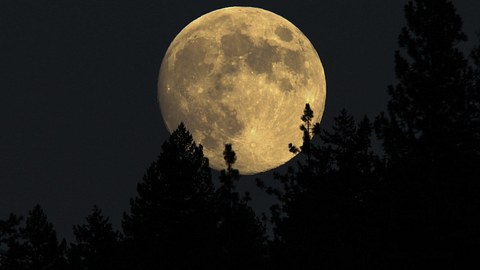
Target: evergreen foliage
96	243
172	217
32	245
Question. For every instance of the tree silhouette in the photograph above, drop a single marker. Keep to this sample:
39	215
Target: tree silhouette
292	217
351	159
171	222
96	244
10	247
308	128
321	216
431	96
240	233
40	244
33	245
474	94
428	134
352	178
228	178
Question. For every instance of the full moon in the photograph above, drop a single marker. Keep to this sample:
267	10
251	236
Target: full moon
241	75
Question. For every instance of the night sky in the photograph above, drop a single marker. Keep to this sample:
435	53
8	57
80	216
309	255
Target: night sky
80	121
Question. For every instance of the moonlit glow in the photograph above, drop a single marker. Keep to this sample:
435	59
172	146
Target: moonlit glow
241	75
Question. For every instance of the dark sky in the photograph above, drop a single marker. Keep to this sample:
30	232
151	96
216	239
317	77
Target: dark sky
79	118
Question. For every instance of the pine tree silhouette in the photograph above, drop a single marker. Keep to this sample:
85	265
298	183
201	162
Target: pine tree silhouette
308	128
429	138
40	244
241	235
474	96
171	222
430	100
11	251
32	245
96	244
321	217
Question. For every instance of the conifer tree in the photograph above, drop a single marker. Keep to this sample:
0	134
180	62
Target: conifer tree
96	244
40	244
322	204
429	108
32	244
10	247
430	137
241	235
171	221
474	95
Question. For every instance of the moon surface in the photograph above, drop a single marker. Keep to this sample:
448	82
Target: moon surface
241	75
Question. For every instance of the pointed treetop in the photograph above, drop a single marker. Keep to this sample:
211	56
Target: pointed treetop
229	155
307	113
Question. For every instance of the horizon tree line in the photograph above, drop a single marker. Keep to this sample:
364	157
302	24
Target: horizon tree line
342	206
